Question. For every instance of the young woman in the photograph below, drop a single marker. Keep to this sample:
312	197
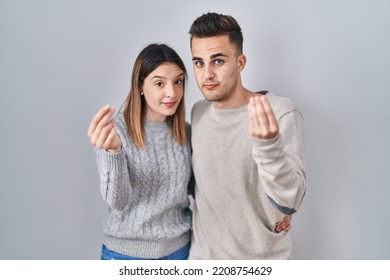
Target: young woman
144	162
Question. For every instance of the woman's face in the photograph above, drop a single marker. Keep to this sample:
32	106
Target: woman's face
163	90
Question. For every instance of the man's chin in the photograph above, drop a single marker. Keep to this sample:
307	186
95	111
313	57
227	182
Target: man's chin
213	98
209	96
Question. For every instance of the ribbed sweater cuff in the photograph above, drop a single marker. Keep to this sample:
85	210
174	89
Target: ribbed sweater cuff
152	249
111	161
265	143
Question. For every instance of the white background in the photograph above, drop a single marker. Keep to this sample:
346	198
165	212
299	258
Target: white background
60	61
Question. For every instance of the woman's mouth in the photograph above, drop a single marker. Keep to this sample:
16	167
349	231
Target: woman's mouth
169	104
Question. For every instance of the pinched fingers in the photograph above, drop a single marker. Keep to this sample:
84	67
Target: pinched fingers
254	123
272	122
110	140
113	143
101	137
262	121
100	119
102	131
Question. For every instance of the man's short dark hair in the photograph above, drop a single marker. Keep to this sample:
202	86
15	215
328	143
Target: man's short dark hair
213	24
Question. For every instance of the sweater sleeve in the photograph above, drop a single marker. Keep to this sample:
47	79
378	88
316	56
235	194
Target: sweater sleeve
114	178
280	163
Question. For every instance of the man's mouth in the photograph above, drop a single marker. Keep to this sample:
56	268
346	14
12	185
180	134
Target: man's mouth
210	86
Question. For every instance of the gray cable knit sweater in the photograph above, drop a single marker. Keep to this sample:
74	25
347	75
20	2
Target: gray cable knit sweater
146	190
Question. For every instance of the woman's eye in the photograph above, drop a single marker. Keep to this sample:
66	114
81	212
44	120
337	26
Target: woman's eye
159	84
179	82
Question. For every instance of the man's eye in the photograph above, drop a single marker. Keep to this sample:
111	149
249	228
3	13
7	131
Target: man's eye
199	63
218	61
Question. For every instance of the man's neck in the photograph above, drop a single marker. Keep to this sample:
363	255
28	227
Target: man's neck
238	99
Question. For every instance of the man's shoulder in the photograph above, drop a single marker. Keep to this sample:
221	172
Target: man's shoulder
202	103
200	106
281	105
280	101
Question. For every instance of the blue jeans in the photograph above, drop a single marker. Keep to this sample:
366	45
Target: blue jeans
181	254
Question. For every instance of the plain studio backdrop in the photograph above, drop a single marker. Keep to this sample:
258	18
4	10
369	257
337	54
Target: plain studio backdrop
60	61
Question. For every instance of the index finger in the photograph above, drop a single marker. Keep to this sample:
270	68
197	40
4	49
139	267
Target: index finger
98	117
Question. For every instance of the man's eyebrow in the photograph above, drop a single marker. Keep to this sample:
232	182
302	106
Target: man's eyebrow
217	55
211	56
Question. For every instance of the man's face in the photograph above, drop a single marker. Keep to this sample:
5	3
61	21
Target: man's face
217	67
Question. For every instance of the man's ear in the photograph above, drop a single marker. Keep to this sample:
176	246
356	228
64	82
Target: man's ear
241	62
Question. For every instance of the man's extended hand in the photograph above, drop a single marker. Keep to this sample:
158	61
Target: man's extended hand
262	121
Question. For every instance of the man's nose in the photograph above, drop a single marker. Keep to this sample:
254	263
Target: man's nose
209	72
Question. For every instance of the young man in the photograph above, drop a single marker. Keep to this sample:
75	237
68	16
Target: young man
248	153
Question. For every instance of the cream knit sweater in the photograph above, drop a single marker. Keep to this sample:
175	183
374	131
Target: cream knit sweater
245	186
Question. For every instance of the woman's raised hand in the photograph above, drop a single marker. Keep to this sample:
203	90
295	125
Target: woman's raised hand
102	131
